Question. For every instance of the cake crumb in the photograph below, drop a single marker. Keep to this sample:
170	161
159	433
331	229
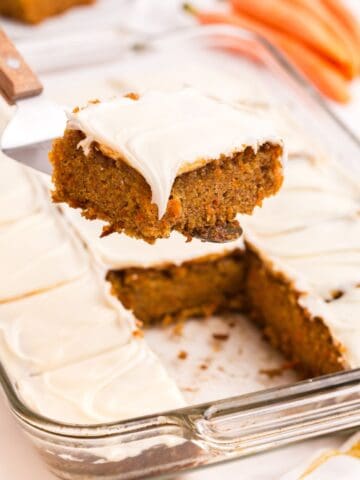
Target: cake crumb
166	320
190	389
221	336
182	355
132	95
203	366
138	333
139	324
277	372
178	328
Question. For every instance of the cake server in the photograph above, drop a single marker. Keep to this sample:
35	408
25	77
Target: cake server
28	135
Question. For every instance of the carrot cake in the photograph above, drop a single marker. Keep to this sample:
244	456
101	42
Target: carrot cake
297	276
79	362
167	161
34	11
303	266
68	346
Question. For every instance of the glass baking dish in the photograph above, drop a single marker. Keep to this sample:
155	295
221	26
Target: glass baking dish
212	432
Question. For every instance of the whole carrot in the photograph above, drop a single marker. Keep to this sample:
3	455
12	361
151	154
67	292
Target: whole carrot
332	23
297	23
322	74
345	17
246	48
242	21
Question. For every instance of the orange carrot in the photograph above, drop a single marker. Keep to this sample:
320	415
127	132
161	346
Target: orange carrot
345	17
326	78
298	23
319	11
242	21
320	72
247	48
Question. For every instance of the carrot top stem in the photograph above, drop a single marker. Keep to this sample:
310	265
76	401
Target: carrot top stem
187	7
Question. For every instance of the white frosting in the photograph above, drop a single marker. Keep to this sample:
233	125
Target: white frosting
311	232
338	235
19	193
64	325
319	271
219	77
313	192
345	323
120	251
49	255
129	381
166	133
73	357
68	346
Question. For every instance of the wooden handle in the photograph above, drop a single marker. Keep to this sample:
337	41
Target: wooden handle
17	80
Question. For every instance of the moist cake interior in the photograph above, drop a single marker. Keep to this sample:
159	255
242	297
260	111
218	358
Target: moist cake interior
139	175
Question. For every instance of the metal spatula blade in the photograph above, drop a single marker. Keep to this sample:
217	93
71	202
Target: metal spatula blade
28	136
37	121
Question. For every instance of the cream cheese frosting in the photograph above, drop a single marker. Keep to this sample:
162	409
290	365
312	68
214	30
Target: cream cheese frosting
126	382
73	322
311	232
163	134
120	251
74	358
50	255
344	322
218	77
19	191
68	346
38	248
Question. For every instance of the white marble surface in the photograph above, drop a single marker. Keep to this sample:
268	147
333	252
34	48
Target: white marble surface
17	457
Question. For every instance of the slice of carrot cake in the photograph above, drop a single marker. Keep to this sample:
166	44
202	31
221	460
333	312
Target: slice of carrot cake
171	280
34	11
167	161
303	267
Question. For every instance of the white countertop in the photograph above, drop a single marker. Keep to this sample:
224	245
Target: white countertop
17	457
